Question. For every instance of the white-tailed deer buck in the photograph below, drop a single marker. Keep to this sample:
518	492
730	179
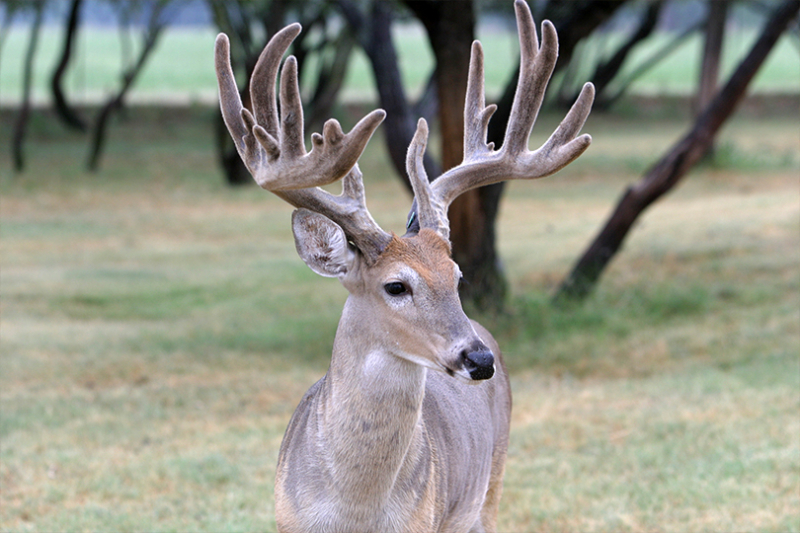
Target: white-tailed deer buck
408	430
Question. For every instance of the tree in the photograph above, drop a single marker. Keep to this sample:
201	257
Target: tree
485	286
152	31
21	124
712	52
451	30
63	110
607	71
623	83
11	7
372	28
674	165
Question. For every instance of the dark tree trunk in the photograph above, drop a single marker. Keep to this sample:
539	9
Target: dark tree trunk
608	70
63	110
375	36
21	124
114	103
646	65
451	30
667	172
712	55
575	21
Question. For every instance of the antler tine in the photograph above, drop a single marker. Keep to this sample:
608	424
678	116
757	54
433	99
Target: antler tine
431	213
272	146
262	80
229	99
273	150
535	68
482	165
476	113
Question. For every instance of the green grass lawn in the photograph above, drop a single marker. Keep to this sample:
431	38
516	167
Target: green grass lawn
181	68
158	330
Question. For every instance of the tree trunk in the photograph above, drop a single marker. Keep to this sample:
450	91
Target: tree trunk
450	27
667	172
63	110
575	21
374	34
21	124
712	55
114	103
607	71
646	65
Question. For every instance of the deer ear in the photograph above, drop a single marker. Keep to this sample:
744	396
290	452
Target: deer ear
321	243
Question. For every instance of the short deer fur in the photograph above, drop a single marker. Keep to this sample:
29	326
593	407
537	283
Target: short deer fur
408	430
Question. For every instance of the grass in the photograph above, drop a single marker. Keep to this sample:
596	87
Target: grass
181	67
158	330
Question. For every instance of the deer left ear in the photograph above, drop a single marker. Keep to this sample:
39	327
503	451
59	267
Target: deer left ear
321	243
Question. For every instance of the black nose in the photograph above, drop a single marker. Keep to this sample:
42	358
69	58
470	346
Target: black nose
479	362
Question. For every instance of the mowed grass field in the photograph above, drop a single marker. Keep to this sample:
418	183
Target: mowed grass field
158	330
181	68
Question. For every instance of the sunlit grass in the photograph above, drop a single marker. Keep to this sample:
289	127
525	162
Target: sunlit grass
158	331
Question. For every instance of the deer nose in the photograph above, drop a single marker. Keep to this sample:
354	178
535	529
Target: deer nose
479	362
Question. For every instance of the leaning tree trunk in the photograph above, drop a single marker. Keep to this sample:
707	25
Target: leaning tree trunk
712	56
114	103
607	71
64	111
21	124
667	172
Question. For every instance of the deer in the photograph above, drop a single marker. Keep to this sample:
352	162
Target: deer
408	430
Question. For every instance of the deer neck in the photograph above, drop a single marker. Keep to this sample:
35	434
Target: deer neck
371	416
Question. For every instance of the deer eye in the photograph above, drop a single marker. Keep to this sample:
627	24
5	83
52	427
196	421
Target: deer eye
395	288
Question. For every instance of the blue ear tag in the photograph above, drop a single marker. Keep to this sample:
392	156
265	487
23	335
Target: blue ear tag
411	218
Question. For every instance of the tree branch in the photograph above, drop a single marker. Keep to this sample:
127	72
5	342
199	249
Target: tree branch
669	170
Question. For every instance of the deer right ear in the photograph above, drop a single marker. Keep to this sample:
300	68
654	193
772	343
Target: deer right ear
321	243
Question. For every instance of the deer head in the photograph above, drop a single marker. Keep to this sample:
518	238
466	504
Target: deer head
404	288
